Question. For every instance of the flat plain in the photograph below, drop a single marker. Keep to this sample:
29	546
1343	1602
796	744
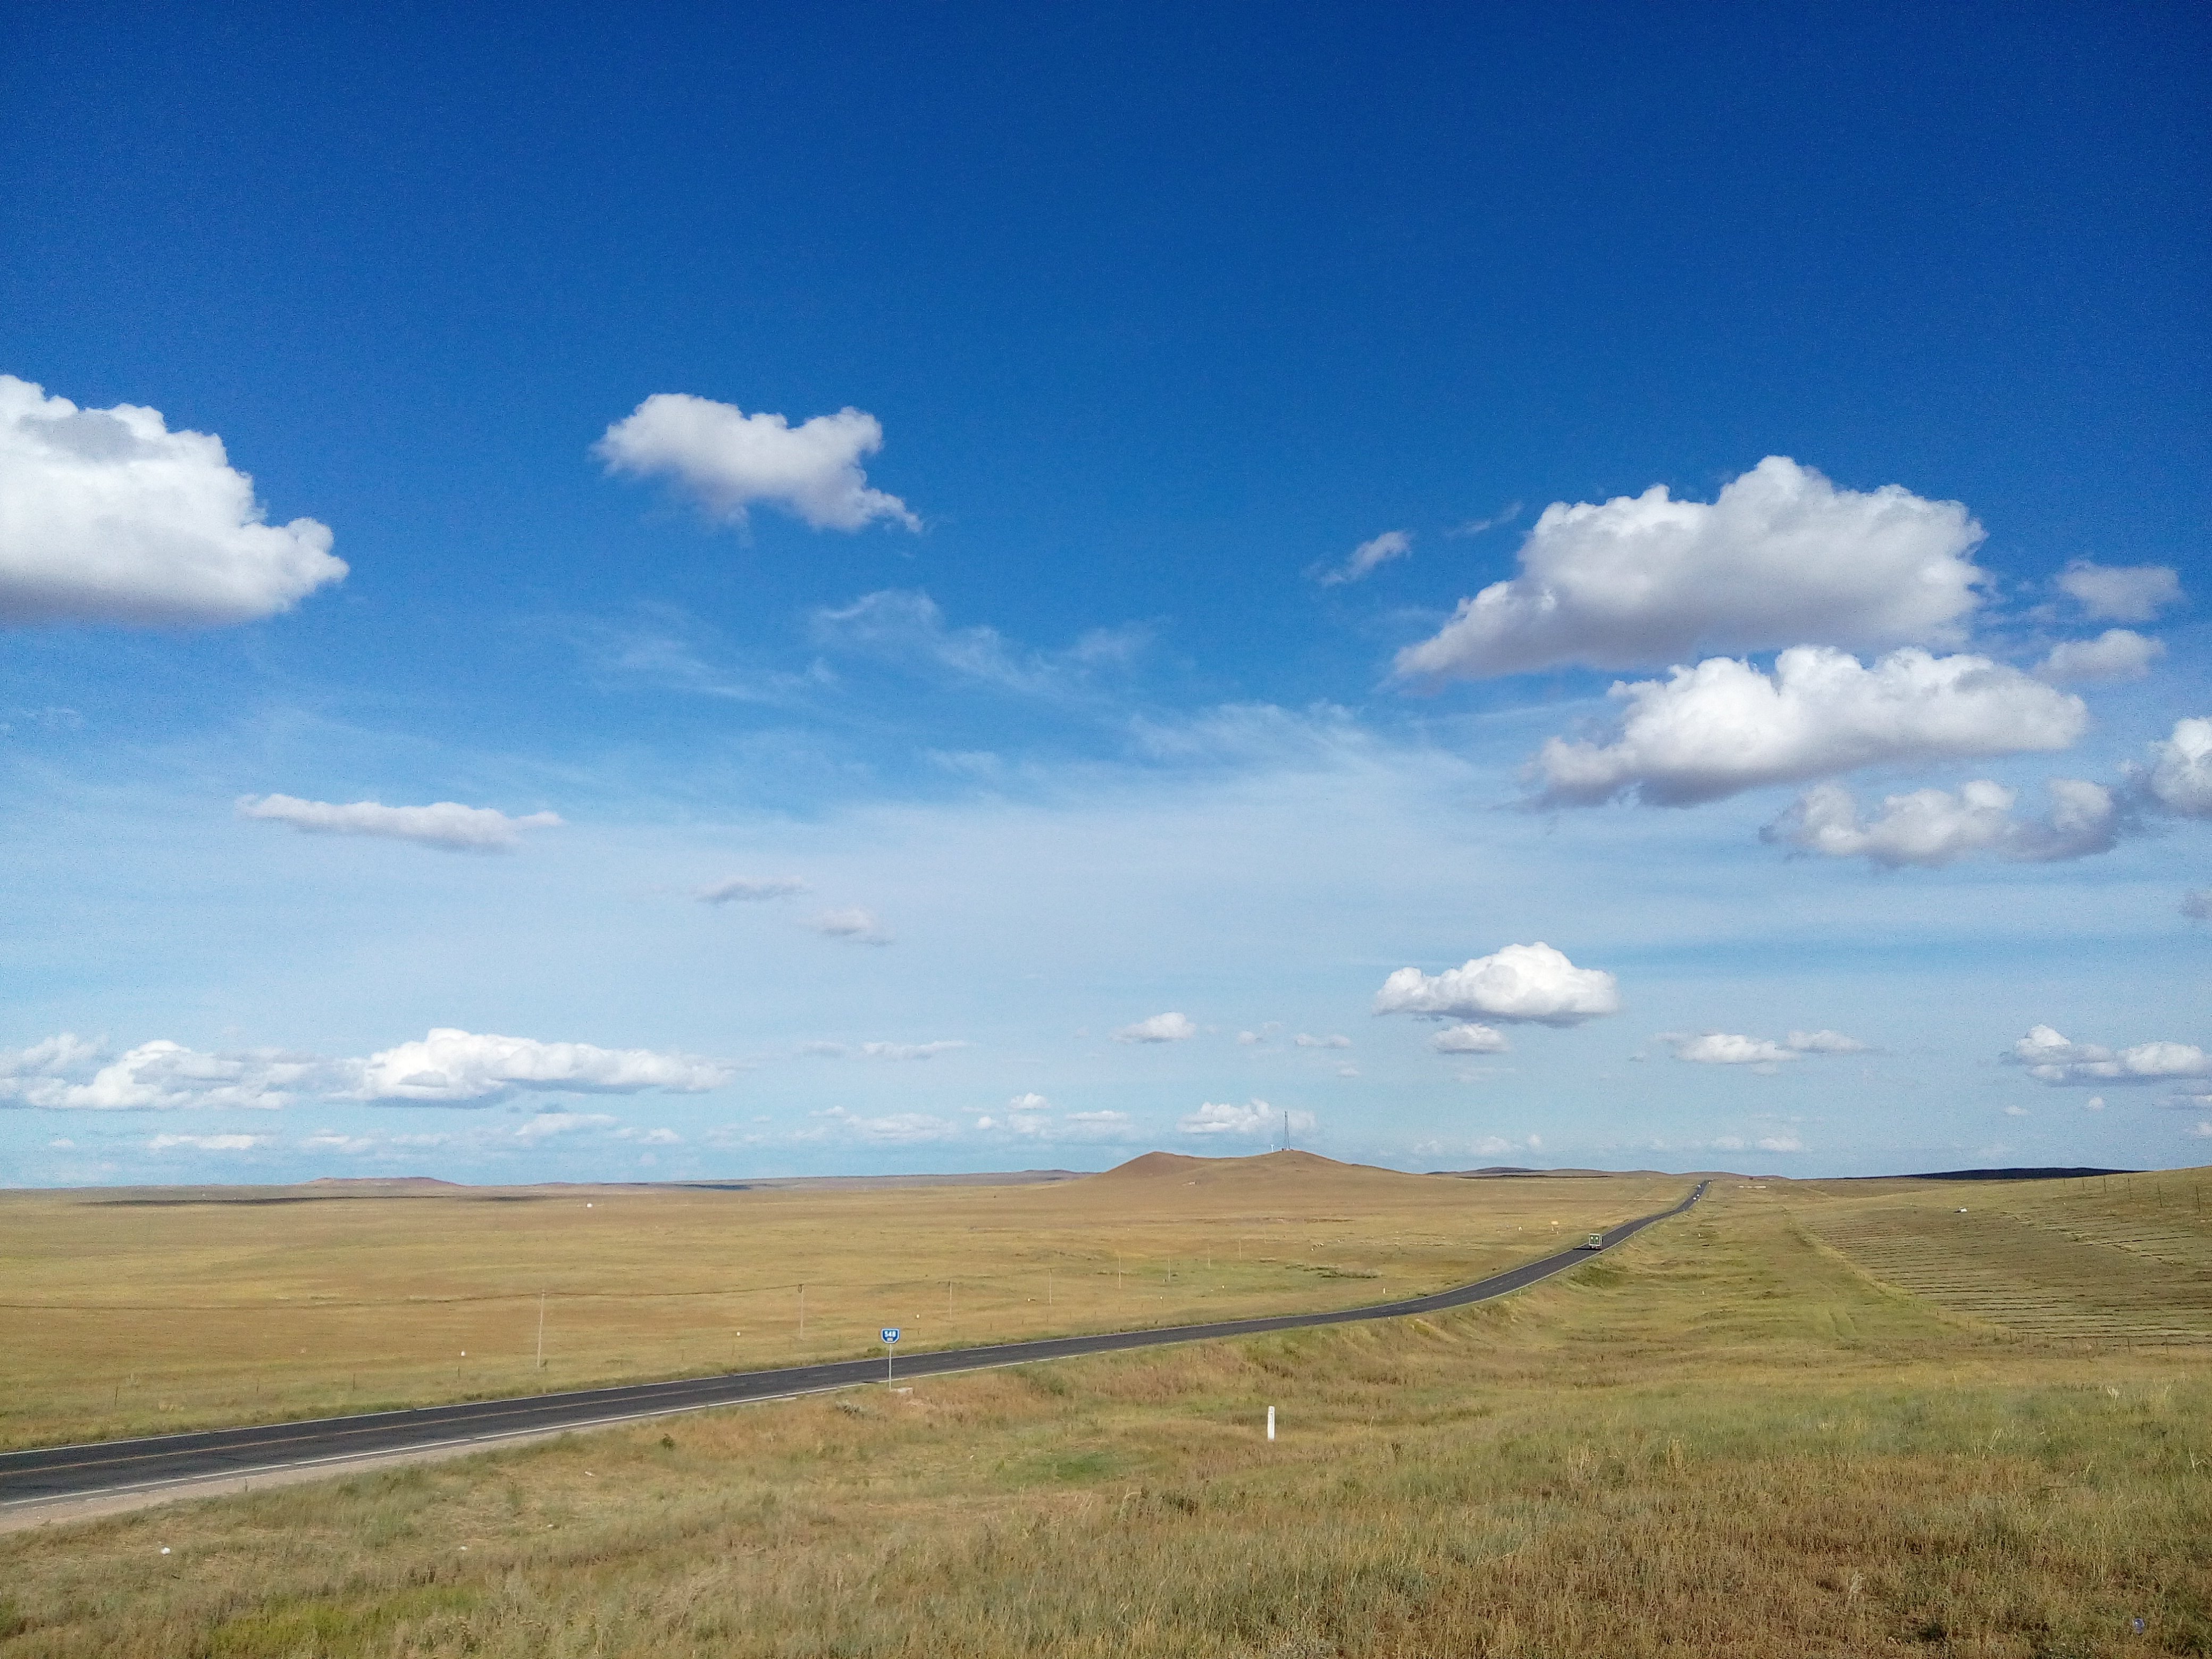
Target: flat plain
1731	1436
133	1312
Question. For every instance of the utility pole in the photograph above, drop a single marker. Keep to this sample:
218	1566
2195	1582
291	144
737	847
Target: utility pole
802	1313
541	1330
1286	1131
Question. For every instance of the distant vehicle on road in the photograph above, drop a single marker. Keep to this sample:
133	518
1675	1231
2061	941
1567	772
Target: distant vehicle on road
1594	1242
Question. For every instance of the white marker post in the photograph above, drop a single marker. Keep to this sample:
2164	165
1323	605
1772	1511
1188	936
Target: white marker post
1271	1422
890	1336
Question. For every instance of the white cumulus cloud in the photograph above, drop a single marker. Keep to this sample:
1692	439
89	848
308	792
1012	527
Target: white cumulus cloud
65	1073
906	626
107	516
2051	1058
1470	1039
1030	1113
2179	777
442	823
1781	555
2117	592
1531	983
1160	1028
63	1055
455	1067
2117	654
1723	726
742	889
1780	1144
1932	827
1305	1040
1254	1118
1730	1048
1726	1048
729	460
1369	556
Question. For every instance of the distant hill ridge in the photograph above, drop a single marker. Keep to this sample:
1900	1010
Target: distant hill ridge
2049	1173
1261	1166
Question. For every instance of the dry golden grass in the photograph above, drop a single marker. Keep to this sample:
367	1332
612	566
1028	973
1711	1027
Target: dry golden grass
1723	1440
137	1312
2106	1259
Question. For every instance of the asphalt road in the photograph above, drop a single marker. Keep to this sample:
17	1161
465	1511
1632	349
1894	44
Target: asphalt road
54	1473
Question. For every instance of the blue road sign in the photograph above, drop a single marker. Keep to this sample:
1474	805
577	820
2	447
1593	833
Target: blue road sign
890	1333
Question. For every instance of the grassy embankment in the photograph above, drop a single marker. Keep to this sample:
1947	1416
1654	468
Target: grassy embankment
1725	1439
143	1312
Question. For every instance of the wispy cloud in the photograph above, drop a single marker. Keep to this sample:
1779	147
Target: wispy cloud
1160	1028
1254	1118
854	924
2128	593
1730	1048
1368	557
2117	654
1504	515
897	1128
908	629
544	1126
746	890
911	1050
445	824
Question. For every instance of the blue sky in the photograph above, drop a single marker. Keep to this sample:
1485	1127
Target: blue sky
1050	694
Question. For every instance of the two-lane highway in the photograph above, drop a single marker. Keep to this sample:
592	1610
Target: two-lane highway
54	1474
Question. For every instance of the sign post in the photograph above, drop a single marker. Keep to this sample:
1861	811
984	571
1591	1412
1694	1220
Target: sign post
890	1336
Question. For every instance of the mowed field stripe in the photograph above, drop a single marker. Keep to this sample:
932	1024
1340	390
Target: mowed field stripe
2037	1263
58	1474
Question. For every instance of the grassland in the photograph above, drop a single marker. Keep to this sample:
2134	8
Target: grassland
2106	1259
136	1312
1726	1438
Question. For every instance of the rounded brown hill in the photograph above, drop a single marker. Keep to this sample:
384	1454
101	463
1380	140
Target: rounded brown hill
1265	1169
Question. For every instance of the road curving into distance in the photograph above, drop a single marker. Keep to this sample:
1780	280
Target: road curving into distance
56	1475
